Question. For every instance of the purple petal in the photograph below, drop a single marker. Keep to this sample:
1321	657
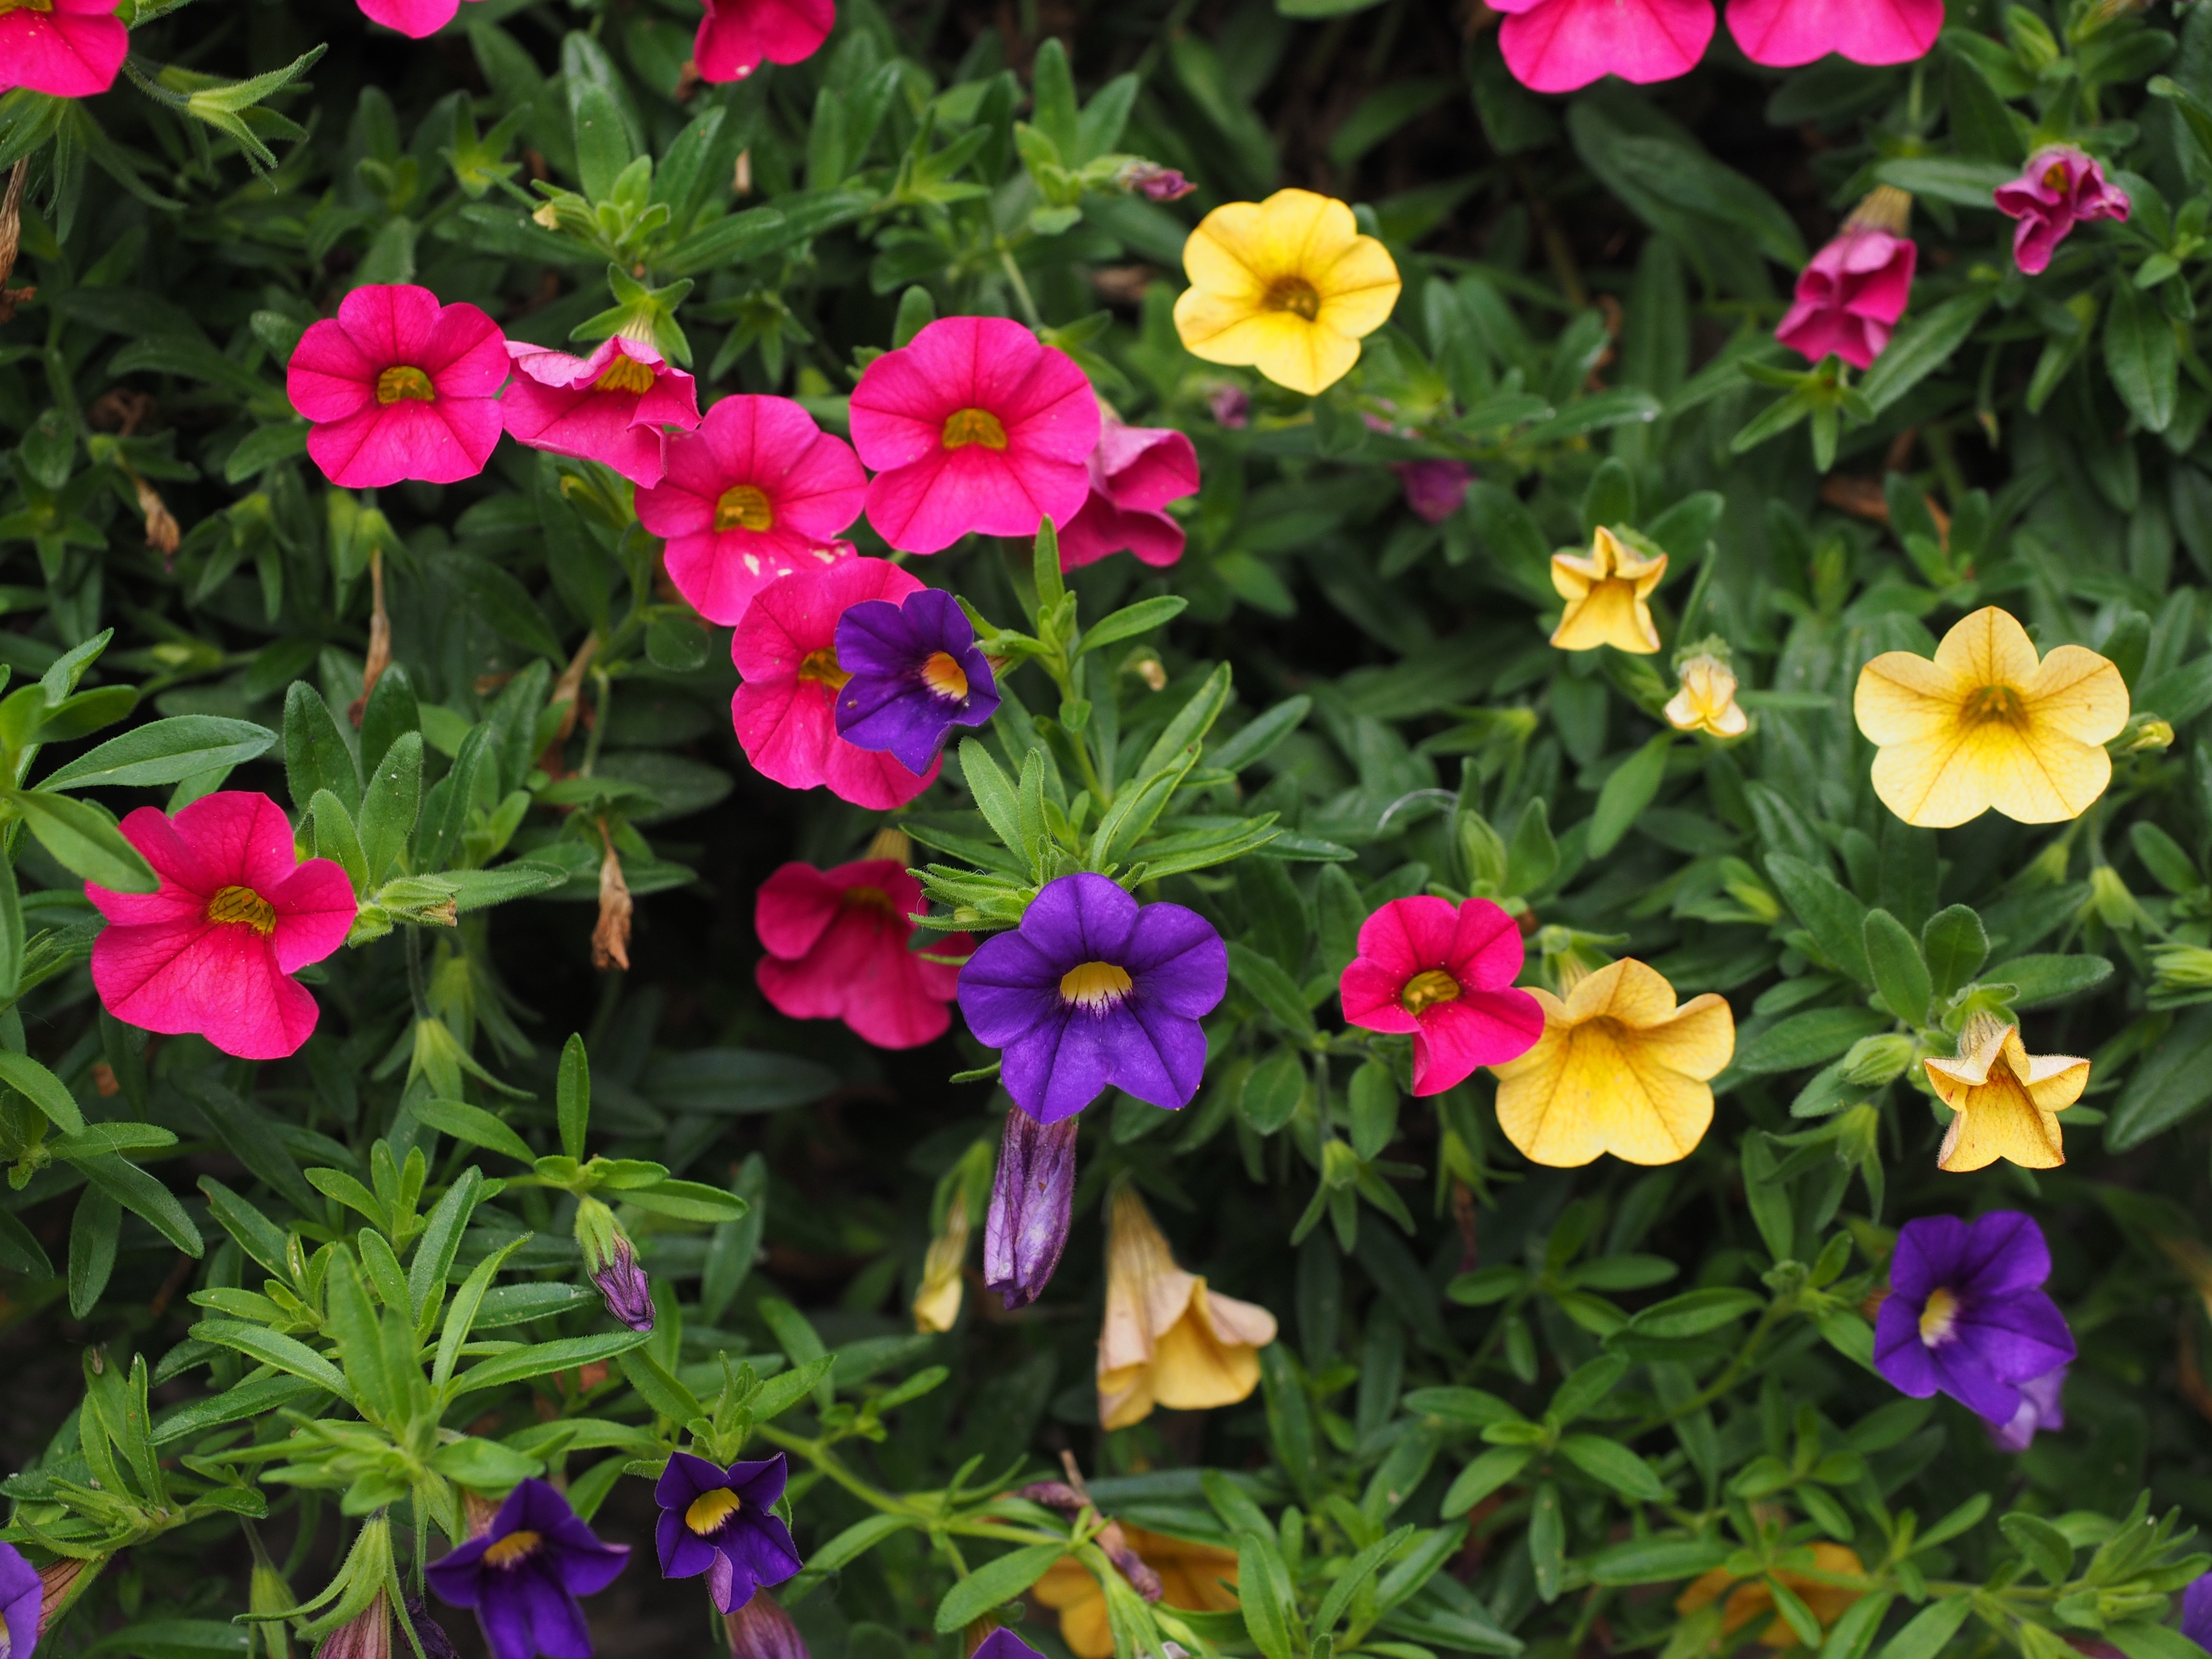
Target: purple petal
1178	960
719	1588
2018	1336
1032	1198
505	1613
1055	1070
2197	1611
1898	1353
761	1484
686	1555
1080	918
1003	1644
2005	1252
874	638
1929	1252
901	718
685	1479
668	1535
760	1552
2040	1408
556	1622
1007	989
456	1575
1166	1067
1963	1371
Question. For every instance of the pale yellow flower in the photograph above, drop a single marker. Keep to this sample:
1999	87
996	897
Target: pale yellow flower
1287	285
1706	701
1752	1599
937	1302
1986	724
2005	1101
1168	1340
1190	1575
1619	1069
1608	595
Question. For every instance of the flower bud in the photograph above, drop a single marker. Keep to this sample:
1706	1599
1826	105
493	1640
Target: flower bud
762	1630
60	1584
1032	1203
367	1635
1875	1061
611	1261
1154	182
436	1644
936	1304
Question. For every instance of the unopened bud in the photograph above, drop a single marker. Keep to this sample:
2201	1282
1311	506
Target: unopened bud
936	1304
610	1260
762	1630
1032	1204
1874	1061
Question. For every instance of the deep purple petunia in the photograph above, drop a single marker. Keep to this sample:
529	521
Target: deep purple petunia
915	675
2042	1408
524	1576
1095	991
21	1592
723	1522
1966	1312
2196	1612
1032	1203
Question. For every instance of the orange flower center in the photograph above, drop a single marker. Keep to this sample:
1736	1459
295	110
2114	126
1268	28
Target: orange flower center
1294	294
942	675
7	6
710	1508
744	507
1428	989
625	375
1095	986
243	905
2054	176
1938	1318
821	667
401	381
1996	705
963	427
869	899
513	1550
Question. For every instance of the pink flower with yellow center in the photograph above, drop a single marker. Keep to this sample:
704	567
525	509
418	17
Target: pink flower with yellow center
836	942
64	48
1851	295
614	406
2060	187
1444	974
736	35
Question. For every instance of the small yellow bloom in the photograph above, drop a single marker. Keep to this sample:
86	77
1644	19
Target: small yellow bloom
1190	1578
1986	724
1608	596
1168	1340
1287	285
2006	1101
1753	1600
1706	701
1619	1069
936	1302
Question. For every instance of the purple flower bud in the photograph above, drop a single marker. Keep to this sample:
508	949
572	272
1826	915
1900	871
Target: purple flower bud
1434	489
1053	1495
610	1260
1032	1203
436	1644
1155	182
1231	407
762	1630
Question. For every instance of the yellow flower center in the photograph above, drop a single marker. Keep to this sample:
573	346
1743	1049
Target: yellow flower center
942	675
401	381
7	6
1095	986
1426	990
1996	705
1938	1318
710	1508
1294	294
2054	176
821	667
243	905
625	375
513	1550
963	427
744	507
869	898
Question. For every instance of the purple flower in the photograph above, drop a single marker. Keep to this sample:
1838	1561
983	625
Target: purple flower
2060	187
1032	1202
610	1260
1966	1312
2040	1408
1154	182
1230	406
1434	489
762	1630
524	1576
1003	1644
20	1594
1094	991
915	675
2197	1611
723	1522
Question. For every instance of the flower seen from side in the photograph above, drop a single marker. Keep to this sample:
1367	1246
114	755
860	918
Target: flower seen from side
1560	45
612	406
1608	594
1195	1578
761	1629
2005	1101
1967	1314
836	942
610	1262
20	1595
1705	699
2060	187
1032	1204
1849	298
937	1299
915	673
63	48
1287	285
2042	1410
1786	34
398	386
1442	974
1752	1599
737	36
722	1522
1135	472
1169	1340
524	1575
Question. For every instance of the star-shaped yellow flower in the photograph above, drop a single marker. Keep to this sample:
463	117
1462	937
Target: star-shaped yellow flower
1168	1340
1608	596
2006	1101
1619	1069
1986	724
1287	285
1706	701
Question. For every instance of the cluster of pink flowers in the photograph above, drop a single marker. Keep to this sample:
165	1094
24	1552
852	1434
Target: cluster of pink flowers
1558	45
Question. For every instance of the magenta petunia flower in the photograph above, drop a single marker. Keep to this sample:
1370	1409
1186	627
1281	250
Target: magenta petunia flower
1135	472
1558	45
973	427
237	913
415	19
523	1575
21	1598
737	34
915	674
64	48
1966	1312
785	714
1850	298
612	406
400	387
837	949
1784	33
1094	991
723	1522
757	492
2041	1407
2059	188
1444	975
1434	489
1032	1204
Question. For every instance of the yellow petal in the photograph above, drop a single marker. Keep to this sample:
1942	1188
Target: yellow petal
1225	255
1627	990
1573	575
1921	782
1359	288
2079	694
1613	614
1068	1588
1998	1120
1125	1396
1902	698
936	1306
2037	775
1304	356
1989	648
1194	1370
1698	1040
1205	319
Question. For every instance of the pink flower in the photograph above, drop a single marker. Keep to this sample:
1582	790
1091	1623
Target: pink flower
785	712
973	427
1434	489
836	942
415	19
1556	45
757	492
1850	298
608	407
1444	974
236	915
400	387
64	48
1135	472
737	34
2060	187
1784	33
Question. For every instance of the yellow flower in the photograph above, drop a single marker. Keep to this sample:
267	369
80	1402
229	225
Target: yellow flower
1985	725
1190	1575
1619	1069
2006	1101
1706	701
1752	1599
1287	285
1608	598
1168	1340
936	1302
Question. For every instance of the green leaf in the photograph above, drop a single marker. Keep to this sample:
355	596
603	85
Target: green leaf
1835	918
141	1194
686	1200
94	1228
2042	1545
85	840
2169	1087
994	1584
390	806
2038	980
1955	945
1899	975
1484	1476
316	756
1269	1603
1946	178
274	1348
1139	618
2142	356
1812	1038
1924	345
1929	1631
1615	1465
43	1089
541	1358
163	752
572	1096
1627	792
1276	993
1656	1560
439	1243
474	1125
1695	1312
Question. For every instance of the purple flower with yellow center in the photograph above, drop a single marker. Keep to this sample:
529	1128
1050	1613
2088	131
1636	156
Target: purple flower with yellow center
723	1522
915	674
1094	991
21	1592
1966	1313
523	1575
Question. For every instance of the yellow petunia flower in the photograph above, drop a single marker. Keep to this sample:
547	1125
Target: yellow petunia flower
1706	701
1190	1578
1608	596
1619	1069
1168	1340
1986	724
1287	285
2005	1101
1752	1599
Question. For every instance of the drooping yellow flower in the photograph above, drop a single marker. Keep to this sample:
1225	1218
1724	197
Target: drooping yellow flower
2005	1101
1190	1577
1752	1599
1619	1069
937	1302
1706	701
1287	285
1986	724
1168	1340
1608	595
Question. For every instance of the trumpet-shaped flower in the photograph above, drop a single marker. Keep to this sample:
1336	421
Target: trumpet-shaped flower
1608	594
723	1522
1135	472
1987	723
2042	1407
2005	1101
1849	297
63	48
237	913
21	1592
1558	45
1444	974
915	674
523	1575
1752	1599
1196	1578
400	387
612	406
836	942
1619	1069
2060	187
1784	33
761	1629
1966	1312
1168	1340
1706	701
1032	1202
737	35
757	492
973	426
1287	285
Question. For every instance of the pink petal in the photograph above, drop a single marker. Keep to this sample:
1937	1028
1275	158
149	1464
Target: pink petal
864	778
737	34
932	504
465	356
785	727
1784	33
1485	1028
1558	45
315	910
1147	467
392	322
1370	992
437	443
72	52
330	377
1102	529
412	18
1409	936
794	909
220	981
598	426
1486	951
719	573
